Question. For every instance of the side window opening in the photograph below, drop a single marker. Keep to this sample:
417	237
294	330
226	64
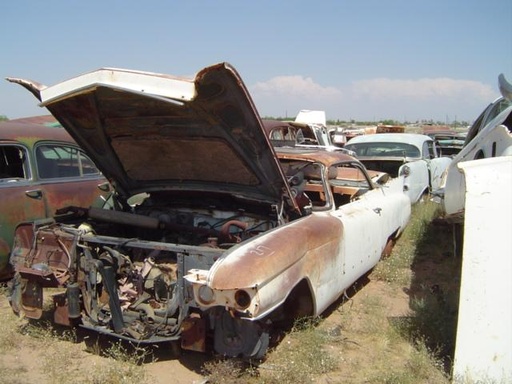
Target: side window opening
13	164
306	181
46	160
348	182
315	186
54	161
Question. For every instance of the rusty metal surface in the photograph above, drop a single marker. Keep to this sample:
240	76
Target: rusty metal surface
316	237
193	334
314	155
26	197
383	128
28	132
32	299
47	120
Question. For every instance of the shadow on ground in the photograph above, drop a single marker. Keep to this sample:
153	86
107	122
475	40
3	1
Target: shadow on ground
434	293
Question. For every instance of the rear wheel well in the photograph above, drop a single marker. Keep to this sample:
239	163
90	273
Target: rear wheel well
390	243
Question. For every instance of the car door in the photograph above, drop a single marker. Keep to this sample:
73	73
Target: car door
19	194
363	212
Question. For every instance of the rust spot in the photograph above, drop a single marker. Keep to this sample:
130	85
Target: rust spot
193	334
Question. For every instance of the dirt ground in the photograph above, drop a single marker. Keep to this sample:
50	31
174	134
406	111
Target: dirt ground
29	359
30	355
359	321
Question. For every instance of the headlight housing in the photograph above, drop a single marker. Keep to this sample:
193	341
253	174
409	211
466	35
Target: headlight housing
242	299
405	171
206	294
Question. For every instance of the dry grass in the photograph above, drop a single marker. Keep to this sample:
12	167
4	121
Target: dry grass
40	352
368	338
397	326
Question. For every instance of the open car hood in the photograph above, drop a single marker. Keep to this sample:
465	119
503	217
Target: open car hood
149	131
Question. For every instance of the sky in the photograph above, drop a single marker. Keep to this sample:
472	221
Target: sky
362	60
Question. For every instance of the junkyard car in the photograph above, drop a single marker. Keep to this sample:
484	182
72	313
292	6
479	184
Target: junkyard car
290	133
489	136
301	135
449	143
412	156
309	130
41	170
211	235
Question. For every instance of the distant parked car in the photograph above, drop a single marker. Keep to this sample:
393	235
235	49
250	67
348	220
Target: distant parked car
412	156
302	135
449	143
41	170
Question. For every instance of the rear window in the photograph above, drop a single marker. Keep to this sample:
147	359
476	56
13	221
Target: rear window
384	149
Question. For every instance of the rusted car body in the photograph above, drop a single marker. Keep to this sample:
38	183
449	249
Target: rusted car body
410	156
211	234
290	133
41	170
302	135
387	128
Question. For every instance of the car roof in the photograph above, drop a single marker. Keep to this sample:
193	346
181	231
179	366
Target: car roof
31	129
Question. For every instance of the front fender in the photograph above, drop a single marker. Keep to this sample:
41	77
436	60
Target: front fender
258	261
268	267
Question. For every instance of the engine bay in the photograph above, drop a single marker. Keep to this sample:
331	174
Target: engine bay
121	272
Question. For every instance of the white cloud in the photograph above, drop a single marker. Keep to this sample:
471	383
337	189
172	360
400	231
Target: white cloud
439	99
421	89
295	86
284	96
